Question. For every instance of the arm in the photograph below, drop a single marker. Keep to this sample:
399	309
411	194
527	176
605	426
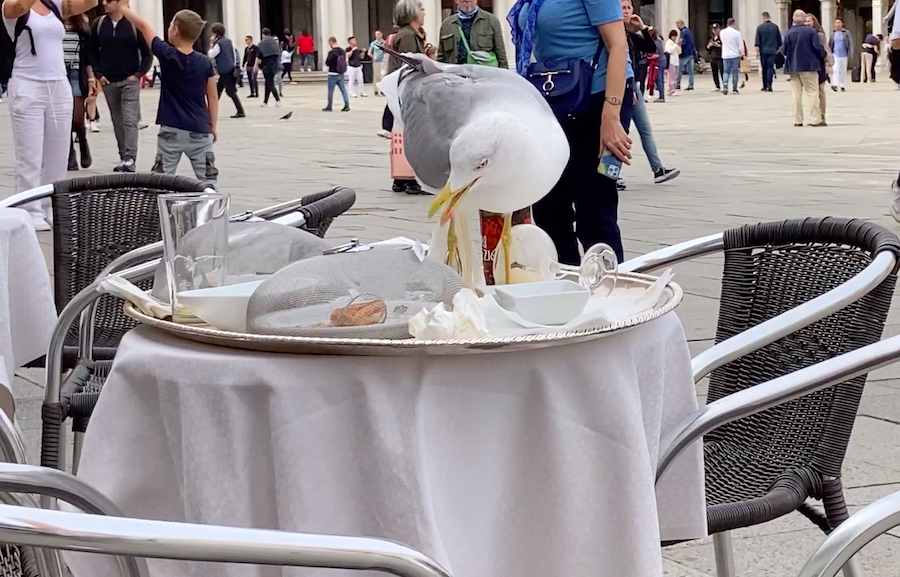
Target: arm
17	8
95	53
644	42
74	7
214	51
212	102
817	46
612	134
142	26
499	44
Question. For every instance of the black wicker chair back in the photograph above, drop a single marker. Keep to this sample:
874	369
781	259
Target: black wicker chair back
765	466
97	219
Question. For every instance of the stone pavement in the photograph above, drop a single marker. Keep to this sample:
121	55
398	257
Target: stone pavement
742	161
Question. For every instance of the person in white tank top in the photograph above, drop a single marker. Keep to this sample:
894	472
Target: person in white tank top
40	96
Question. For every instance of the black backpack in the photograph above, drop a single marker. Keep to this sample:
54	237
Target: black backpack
8	45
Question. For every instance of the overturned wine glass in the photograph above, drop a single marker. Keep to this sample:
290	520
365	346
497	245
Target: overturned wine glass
599	269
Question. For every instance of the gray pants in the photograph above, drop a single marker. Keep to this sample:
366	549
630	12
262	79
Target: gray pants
124	99
197	146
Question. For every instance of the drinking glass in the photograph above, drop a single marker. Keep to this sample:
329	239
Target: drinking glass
195	242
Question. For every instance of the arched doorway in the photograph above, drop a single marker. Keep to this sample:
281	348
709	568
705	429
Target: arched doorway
209	10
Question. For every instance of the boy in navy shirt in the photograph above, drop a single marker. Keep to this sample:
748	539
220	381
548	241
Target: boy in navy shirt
188	101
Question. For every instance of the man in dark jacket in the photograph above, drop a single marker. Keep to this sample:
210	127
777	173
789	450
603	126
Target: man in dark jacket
222	53
714	48
768	41
251	54
120	57
804	57
481	32
688	55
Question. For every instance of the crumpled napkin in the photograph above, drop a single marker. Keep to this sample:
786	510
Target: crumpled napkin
465	321
621	305
125	290
419	249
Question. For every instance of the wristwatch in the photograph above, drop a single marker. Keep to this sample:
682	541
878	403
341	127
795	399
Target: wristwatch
614	100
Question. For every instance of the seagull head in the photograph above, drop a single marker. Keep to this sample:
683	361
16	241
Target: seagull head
492	161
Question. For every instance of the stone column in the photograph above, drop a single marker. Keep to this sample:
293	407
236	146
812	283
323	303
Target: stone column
676	10
152	11
783	16
432	21
879	9
333	18
827	10
241	18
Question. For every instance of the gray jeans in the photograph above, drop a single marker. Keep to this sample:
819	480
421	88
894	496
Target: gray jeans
124	99
197	146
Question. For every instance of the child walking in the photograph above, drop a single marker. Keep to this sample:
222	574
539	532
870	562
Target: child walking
188	101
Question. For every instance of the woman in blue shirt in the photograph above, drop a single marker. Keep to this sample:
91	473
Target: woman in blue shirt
583	205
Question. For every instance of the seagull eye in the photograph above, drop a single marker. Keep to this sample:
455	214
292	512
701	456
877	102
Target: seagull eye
482	164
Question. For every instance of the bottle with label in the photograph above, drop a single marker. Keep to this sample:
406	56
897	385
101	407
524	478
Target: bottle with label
491	231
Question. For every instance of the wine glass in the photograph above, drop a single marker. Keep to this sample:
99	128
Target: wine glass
599	269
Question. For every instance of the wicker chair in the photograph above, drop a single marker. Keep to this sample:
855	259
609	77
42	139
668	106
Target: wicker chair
768	464
77	396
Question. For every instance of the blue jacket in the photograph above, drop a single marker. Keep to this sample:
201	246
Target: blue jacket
848	42
687	43
803	51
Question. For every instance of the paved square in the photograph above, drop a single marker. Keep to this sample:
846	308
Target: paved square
742	161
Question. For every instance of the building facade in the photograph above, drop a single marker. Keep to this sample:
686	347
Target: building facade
360	18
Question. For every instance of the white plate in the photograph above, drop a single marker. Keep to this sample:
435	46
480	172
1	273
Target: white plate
222	307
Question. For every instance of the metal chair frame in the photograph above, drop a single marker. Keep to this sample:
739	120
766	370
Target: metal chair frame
82	307
853	534
760	397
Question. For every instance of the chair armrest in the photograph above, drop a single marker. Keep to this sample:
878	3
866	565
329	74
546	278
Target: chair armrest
674	254
852	535
795	319
27	196
46	482
182	541
775	392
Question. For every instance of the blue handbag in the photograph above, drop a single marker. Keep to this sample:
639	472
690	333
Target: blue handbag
565	84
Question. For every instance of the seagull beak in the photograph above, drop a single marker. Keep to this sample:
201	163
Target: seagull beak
450	198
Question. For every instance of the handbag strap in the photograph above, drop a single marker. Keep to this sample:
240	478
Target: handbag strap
463	37
596	61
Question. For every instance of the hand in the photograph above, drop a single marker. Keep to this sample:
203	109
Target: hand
103	81
134	77
635	23
215	133
612	135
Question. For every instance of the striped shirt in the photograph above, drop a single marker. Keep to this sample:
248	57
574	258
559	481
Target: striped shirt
72	50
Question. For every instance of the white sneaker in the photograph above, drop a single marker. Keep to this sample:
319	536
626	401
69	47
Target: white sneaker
264	105
40	224
384	134
278	104
352	95
95	127
895	202
364	95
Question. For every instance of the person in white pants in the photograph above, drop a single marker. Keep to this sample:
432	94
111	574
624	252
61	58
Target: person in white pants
841	47
40	106
354	74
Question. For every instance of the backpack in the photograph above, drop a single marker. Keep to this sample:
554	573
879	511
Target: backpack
341	64
8	45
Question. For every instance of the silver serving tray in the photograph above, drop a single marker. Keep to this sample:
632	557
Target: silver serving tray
671	298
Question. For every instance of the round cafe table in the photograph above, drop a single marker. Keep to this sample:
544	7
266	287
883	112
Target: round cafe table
27	314
534	463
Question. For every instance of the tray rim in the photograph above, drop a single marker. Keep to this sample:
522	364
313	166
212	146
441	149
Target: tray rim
392	347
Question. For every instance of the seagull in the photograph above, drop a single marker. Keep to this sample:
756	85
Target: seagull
481	138
287	116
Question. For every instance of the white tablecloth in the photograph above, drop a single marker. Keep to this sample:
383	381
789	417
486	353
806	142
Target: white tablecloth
27	314
526	464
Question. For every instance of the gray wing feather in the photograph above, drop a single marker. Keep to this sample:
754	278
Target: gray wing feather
434	107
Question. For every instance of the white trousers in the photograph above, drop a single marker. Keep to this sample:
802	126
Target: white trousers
41	115
839	73
355	75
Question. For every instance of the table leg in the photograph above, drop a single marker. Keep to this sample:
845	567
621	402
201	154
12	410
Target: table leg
724	554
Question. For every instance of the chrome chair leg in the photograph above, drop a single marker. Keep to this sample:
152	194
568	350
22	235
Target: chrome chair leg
76	451
724	554
852	568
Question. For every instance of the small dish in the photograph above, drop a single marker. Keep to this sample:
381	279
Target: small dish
554	302
223	307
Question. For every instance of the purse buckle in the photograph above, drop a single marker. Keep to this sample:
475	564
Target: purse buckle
548	85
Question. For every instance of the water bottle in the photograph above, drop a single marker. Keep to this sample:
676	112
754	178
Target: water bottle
610	166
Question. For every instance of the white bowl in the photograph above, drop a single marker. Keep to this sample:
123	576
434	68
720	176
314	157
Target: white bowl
223	307
554	302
